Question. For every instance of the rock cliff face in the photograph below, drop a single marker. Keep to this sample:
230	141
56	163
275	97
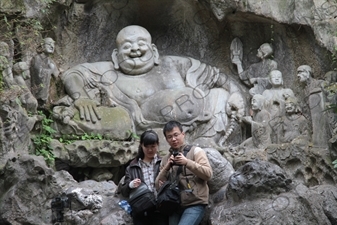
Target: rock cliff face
282	183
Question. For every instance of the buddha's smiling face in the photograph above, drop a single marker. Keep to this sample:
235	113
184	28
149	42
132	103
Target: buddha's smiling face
135	53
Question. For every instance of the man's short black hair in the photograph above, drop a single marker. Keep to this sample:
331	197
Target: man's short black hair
170	125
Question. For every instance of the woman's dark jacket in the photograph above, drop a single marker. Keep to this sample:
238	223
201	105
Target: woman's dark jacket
134	171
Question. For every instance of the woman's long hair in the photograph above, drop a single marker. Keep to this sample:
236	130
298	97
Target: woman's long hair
149	137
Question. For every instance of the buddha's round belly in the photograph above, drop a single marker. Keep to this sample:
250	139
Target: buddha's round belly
185	105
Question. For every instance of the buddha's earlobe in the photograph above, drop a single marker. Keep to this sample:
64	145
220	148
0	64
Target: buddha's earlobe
155	54
114	59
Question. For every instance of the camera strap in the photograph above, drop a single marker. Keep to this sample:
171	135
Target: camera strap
180	168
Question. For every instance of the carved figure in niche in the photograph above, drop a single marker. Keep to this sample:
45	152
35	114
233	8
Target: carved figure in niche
6	63
156	89
260	125
256	75
21	73
314	105
330	92
276	96
41	69
294	126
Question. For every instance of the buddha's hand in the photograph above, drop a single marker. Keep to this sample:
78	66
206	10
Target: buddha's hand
88	109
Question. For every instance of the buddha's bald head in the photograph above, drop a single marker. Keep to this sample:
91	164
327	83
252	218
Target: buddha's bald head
131	31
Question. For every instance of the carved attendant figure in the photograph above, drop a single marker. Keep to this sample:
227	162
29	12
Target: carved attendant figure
294	125
41	70
256	75
6	64
330	92
315	105
260	125
21	73
276	96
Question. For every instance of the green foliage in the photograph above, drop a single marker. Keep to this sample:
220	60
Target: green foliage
334	163
68	139
47	4
42	140
86	136
133	135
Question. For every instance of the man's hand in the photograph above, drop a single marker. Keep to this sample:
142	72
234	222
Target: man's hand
180	160
160	183
87	109
169	163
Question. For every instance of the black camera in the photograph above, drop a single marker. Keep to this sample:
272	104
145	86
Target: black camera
175	153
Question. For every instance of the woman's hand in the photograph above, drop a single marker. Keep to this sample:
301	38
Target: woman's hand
135	183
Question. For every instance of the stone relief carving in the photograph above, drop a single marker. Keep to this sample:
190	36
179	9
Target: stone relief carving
155	89
292	126
256	75
41	69
329	89
21	73
259	122
277	94
314	104
6	63
128	94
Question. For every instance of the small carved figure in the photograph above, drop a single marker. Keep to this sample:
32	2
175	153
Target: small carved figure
6	64
256	75
295	127
41	69
65	115
276	96
314	105
330	92
21	73
260	125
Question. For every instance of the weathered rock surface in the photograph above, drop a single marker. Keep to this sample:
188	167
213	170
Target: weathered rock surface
222	170
243	191
95	153
29	189
301	205
260	193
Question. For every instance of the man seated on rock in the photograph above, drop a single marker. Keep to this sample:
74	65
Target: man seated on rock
155	89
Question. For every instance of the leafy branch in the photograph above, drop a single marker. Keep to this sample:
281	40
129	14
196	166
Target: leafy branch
334	163
42	140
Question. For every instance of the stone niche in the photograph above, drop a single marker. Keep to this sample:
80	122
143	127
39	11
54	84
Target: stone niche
189	28
201	30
